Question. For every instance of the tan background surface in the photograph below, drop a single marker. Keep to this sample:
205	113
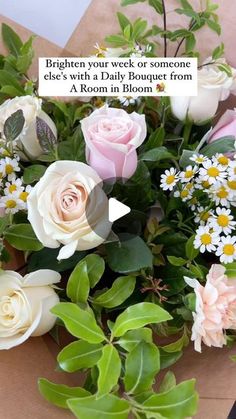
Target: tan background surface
21	367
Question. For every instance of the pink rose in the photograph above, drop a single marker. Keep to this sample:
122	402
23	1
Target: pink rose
215	308
226	126
112	136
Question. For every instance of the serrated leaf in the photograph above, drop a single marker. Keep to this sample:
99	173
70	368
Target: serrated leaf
47	139
121	289
131	338
109	367
141	366
13	125
79	323
11	39
78	355
106	407
179	402
33	173
137	316
22	237
78	285
58	394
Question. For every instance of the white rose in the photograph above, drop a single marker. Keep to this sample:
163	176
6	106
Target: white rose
61	208
214	86
25	305
31	107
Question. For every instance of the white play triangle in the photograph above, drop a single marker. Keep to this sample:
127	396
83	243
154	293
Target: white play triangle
117	210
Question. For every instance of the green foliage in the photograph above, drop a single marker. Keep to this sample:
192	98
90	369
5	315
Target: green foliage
14	125
33	173
59	394
22	237
121	289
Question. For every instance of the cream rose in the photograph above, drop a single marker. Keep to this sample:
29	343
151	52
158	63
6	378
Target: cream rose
214	86
25	305
31	107
62	209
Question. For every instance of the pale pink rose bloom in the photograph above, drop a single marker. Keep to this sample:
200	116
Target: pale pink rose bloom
112	137
226	126
215	308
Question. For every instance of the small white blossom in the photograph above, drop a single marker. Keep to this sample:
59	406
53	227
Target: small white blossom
188	174
206	239
169	179
222	221
227	249
212	172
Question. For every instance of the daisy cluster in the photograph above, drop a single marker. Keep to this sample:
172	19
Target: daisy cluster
208	187
14	194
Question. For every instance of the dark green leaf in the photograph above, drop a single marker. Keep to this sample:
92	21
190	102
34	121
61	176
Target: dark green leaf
47	139
22	237
13	125
11	39
169	358
47	259
7	79
33	173
157	154
222	145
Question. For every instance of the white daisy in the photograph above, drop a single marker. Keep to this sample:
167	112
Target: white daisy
188	174
11	203
221	159
23	196
222	221
14	186
9	166
206	239
227	249
185	194
198	158
232	170
169	179
203	215
220	194
212	172
129	100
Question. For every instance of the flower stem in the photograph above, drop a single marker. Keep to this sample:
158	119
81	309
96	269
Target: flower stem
187	133
165	27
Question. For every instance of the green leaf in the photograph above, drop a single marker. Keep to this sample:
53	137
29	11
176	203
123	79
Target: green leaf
22	237
176	261
226	69
7	79
157	5
106	407
157	154
47	259
109	367
78	284
178	345
137	316
59	394
13	125
214	26
186	5
129	255
222	145
79	323
190	13
95	268
127	2
11	91
141	366
123	20
121	289
230	270
168	382
26	56
179	402
191	252
46	137
127	32
4	222
131	338
156	139
78	355
33	173
190	43
116	40
139	28
218	52
169	358
11	40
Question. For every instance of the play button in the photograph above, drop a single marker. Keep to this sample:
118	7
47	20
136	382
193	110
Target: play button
116	210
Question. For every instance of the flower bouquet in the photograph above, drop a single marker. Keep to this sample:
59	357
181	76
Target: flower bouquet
165	270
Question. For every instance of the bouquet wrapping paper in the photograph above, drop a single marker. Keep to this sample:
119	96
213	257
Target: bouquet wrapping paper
21	367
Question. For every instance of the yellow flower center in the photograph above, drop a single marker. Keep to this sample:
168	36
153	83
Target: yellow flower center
9	169
200	160
1	175
223	220
232	184
184	193
206	239
12	188
188	174
222	193
189	186
228	249
23	196
223	160
204	216
213	172
11	203
170	179
206	184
